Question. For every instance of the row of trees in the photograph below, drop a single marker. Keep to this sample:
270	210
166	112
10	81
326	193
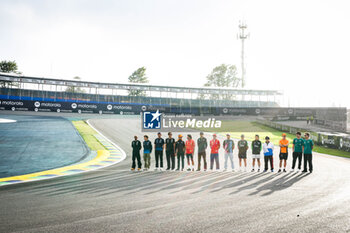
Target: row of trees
221	76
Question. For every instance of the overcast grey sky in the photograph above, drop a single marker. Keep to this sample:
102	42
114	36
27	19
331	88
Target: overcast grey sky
301	47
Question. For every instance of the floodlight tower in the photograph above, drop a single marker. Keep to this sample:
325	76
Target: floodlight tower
243	35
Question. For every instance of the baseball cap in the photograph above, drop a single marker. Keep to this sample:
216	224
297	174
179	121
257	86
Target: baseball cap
284	134
180	135
227	134
214	134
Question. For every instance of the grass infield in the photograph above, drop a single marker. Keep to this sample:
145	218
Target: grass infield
88	134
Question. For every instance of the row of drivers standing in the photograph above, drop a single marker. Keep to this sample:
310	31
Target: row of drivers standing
179	148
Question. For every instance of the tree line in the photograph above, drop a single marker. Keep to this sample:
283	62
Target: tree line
223	75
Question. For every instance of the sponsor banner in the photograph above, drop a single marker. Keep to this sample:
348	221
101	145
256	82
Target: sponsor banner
288	113
337	141
329	140
289	118
45	106
344	143
12	103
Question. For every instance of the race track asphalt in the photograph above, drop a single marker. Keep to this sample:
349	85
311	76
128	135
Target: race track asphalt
36	143
117	200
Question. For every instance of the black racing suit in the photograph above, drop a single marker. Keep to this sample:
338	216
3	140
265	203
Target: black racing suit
158	150
170	153
180	149
136	147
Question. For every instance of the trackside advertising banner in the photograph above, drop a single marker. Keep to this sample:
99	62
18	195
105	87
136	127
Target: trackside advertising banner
274	113
45	106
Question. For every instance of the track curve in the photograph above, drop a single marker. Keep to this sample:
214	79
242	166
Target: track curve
116	200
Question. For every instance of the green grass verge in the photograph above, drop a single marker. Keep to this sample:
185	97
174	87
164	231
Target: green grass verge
87	133
250	129
331	151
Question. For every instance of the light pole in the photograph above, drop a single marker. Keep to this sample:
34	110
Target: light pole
242	36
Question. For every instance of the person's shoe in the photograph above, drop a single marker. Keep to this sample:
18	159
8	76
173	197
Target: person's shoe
161	169
279	170
310	171
188	169
167	169
156	169
225	170
198	170
205	170
182	169
253	170
284	170
193	169
292	170
177	169
139	169
271	170
132	169
304	171
265	170
258	169
145	169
